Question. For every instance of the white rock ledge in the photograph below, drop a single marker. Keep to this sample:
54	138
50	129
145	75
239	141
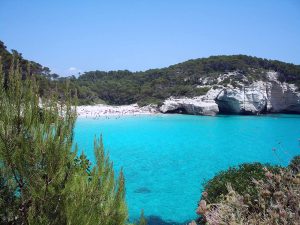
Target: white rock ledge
194	106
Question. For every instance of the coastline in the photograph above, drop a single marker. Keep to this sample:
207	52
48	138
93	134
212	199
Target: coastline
107	111
101	110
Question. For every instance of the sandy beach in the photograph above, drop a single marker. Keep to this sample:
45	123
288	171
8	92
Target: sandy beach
94	111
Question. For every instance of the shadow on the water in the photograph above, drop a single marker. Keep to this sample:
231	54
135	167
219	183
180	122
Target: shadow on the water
142	190
274	115
156	220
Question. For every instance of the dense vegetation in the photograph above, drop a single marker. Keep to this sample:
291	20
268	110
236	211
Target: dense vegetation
252	194
239	177
153	86
184	79
42	180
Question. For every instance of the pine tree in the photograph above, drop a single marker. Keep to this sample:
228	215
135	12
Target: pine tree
42	180
100	199
142	220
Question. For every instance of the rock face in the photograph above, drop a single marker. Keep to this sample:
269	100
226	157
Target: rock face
260	97
245	100
283	97
269	96
194	106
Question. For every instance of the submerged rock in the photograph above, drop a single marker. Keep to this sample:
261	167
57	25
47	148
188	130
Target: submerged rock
156	220
142	190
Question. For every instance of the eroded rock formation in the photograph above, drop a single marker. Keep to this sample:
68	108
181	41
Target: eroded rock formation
269	96
194	106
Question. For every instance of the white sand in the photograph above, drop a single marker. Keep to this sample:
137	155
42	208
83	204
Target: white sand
94	111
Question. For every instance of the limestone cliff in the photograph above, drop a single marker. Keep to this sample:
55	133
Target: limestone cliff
193	106
261	96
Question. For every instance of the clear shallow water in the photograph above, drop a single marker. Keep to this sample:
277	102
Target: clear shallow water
166	158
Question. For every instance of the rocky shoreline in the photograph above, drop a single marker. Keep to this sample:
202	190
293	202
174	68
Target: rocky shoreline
270	96
260	97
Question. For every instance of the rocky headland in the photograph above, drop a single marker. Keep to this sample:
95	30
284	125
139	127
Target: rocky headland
268	95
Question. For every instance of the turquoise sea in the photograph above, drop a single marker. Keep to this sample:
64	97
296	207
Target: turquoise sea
166	158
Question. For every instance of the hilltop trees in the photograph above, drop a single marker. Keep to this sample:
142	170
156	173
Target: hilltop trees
155	85
42	181
183	79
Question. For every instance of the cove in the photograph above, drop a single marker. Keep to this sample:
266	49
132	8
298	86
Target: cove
166	158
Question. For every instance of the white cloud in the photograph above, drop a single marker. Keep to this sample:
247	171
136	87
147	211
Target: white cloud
71	69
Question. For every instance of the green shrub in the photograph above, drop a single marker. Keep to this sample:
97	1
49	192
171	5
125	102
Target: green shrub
239	177
201	91
225	82
278	198
148	101
294	165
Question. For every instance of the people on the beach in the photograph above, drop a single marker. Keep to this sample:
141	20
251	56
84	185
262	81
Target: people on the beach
116	112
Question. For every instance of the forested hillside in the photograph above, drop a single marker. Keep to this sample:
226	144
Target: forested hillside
183	79
155	85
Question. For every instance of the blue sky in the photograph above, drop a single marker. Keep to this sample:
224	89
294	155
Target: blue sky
71	36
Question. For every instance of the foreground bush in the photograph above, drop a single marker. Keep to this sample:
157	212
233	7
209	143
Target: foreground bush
240	179
42	180
294	165
277	201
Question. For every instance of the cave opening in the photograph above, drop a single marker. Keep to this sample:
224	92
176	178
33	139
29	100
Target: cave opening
179	110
